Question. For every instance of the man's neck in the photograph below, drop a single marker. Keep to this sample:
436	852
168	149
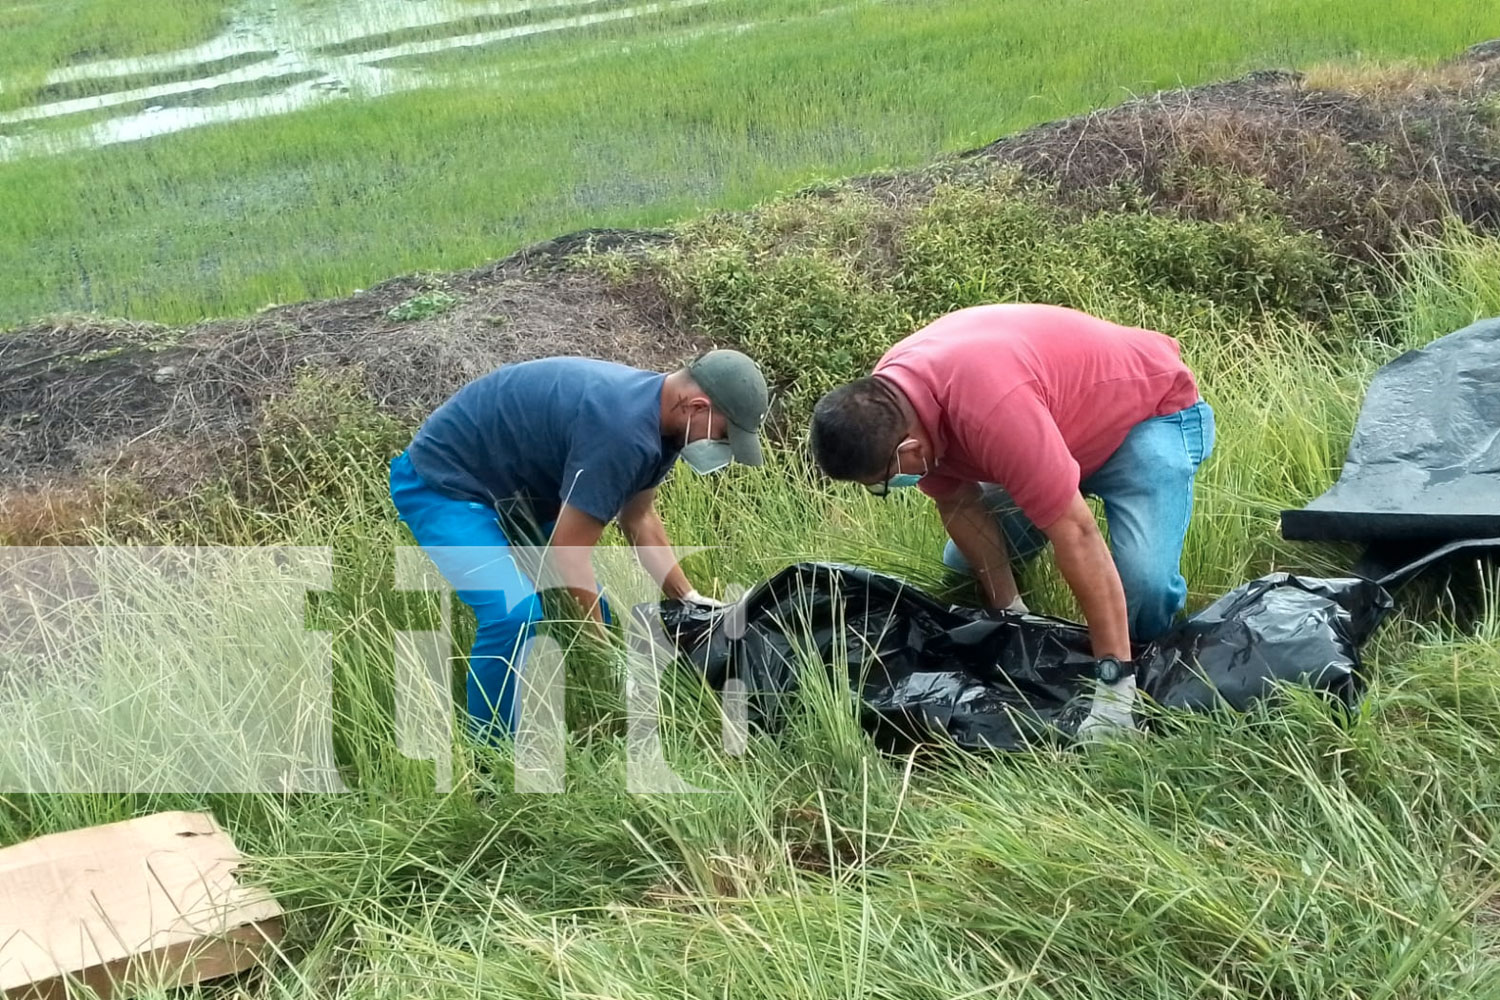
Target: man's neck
913	423
908	412
671	415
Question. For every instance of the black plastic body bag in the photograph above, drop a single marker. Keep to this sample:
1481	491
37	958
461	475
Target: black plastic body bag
1422	478
927	672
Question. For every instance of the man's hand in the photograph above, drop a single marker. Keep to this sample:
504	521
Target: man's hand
1112	712
693	597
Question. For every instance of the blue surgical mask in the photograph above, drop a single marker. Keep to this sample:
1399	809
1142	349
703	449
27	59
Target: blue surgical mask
706	456
903	480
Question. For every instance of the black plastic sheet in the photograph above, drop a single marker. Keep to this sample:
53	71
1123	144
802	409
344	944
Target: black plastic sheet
1423	466
926	672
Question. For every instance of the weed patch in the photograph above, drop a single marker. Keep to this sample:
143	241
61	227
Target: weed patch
324	444
423	306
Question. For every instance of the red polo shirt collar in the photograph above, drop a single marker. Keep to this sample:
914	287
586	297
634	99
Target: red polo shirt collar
929	414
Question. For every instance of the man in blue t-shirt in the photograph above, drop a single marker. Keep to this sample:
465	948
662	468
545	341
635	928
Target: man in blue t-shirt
549	452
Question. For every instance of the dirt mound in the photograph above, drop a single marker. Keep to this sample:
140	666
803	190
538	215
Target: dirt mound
1361	156
79	395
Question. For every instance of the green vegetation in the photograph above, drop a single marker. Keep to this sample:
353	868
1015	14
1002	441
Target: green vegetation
819	285
1278	855
575	130
422	305
40	35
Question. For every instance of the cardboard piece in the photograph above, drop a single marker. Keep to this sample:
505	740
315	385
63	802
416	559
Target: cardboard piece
124	906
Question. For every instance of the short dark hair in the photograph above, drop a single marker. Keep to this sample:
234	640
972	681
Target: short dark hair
855	430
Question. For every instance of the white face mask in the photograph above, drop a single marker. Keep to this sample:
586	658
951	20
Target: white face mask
705	456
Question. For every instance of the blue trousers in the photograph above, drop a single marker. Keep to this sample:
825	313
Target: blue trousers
1147	489
470	548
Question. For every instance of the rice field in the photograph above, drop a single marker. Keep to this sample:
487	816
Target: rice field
176	161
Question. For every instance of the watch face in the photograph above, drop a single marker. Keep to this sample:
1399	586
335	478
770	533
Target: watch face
1109	671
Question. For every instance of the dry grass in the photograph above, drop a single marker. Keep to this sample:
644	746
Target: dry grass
54	515
1360	169
1405	79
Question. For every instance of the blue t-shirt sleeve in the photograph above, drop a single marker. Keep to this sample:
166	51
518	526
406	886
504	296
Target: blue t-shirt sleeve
602	472
664	465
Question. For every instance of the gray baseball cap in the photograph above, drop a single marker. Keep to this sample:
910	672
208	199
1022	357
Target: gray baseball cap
737	389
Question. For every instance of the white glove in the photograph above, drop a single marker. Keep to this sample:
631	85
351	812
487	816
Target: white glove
1112	713
693	597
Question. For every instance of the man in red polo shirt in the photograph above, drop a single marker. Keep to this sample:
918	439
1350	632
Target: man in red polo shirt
1007	416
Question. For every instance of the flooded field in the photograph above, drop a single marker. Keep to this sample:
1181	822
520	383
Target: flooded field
176	159
277	58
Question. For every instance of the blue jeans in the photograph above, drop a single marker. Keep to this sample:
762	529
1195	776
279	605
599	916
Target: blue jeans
1147	489
469	547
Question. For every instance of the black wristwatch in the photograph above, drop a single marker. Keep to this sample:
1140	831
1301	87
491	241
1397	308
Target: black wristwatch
1110	669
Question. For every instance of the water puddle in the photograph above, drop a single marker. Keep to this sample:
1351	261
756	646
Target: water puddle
272	61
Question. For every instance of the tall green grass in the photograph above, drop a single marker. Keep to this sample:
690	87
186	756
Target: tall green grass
1456	281
1278	854
581	131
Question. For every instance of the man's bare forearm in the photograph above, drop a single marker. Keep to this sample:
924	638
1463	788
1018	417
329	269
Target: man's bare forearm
1085	563
654	550
574	570
570	559
978	539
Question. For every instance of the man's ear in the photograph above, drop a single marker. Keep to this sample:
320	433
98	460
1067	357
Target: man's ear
691	403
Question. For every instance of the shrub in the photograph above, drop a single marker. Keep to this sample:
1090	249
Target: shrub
817	287
978	244
324	444
1249	265
810	318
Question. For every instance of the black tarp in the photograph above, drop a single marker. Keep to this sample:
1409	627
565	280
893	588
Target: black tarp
925	671
1423	467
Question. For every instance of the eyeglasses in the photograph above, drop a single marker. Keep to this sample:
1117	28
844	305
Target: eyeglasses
883	488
